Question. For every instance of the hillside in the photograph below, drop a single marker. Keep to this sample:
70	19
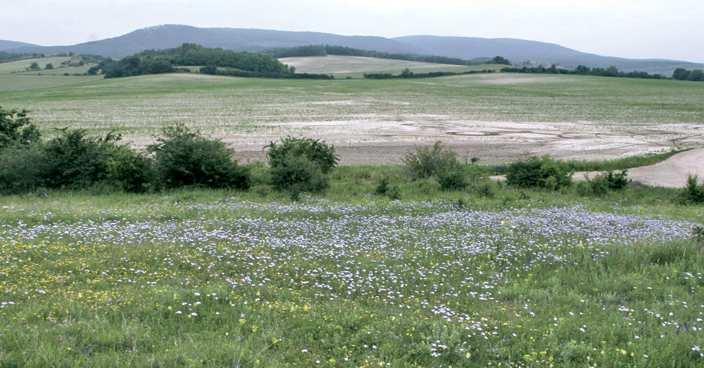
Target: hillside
170	36
10	45
519	51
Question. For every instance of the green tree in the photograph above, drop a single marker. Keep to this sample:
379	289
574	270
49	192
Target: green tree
49	66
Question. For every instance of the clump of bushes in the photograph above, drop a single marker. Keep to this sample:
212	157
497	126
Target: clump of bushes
693	193
602	184
384	188
427	162
539	172
16	129
74	160
300	165
185	158
442	164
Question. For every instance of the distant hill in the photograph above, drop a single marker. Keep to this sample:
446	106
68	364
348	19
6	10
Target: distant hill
519	51
170	36
9	45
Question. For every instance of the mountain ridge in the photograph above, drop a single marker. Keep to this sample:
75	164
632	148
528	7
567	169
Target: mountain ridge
254	40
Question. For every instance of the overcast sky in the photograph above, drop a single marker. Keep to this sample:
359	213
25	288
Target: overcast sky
630	28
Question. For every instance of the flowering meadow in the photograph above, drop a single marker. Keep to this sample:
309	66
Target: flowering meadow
219	279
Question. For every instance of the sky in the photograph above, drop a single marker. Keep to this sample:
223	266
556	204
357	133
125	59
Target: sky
672	29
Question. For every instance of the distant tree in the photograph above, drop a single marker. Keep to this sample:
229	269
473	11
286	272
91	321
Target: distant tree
406	73
34	66
49	66
696	75
611	71
581	69
500	60
680	74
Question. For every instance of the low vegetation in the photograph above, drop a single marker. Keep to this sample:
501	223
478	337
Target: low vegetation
611	71
539	172
408	74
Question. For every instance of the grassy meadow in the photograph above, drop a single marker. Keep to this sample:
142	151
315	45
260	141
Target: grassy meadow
417	276
207	278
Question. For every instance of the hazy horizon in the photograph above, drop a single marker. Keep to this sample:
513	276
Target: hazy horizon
632	29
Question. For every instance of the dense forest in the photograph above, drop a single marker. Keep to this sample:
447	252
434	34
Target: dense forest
696	75
584	70
168	61
324	50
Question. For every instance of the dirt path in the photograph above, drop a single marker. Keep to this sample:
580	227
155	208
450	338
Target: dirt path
671	173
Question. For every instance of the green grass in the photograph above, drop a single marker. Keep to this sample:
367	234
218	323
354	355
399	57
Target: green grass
187	301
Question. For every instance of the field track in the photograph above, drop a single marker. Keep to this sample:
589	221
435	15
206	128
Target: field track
671	173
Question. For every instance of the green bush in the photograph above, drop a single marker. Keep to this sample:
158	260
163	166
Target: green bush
426	162
314	150
384	188
296	174
453	178
75	160
693	193
183	158
16	128
130	171
22	169
602	184
539	172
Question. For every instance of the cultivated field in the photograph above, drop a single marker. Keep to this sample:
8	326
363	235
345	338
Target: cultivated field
497	117
357	66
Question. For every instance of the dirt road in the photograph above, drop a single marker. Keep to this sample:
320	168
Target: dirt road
671	173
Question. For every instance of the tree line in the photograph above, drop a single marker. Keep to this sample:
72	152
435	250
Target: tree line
325	50
611	71
696	75
408	74
168	61
231	72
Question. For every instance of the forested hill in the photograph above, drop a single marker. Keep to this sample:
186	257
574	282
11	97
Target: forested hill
258	40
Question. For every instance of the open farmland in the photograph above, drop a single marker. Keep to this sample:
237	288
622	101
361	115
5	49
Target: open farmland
497	117
357	66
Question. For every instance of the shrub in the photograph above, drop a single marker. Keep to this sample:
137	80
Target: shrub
453	178
314	150
22	169
75	160
542	172
295	174
130	171
183	157
431	161
16	128
384	188
693	193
